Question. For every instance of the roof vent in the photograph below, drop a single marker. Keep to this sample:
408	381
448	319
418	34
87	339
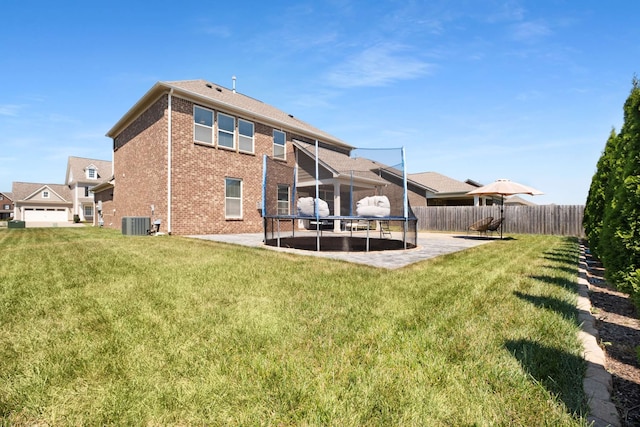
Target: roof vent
218	89
291	115
209	85
233	79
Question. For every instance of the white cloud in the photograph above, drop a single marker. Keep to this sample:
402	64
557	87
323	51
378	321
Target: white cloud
530	31
10	110
379	65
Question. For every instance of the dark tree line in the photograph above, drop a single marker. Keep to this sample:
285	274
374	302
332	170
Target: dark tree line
612	211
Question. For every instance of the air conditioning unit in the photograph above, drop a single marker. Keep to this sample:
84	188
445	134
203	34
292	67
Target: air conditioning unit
136	225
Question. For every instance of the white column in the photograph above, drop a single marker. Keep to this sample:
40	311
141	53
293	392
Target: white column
336	205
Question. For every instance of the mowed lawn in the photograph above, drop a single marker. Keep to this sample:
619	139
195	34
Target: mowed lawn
103	329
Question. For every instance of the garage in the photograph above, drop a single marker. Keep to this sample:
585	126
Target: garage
45	215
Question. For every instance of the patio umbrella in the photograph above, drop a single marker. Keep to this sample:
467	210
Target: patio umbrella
504	187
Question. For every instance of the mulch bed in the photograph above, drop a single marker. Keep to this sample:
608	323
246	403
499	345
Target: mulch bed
619	328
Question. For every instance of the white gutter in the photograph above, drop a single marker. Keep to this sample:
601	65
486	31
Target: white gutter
169	164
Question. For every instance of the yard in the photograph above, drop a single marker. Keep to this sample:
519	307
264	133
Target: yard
103	329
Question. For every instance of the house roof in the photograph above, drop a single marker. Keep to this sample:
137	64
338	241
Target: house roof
7	194
441	183
517	200
342	165
24	190
76	167
219	97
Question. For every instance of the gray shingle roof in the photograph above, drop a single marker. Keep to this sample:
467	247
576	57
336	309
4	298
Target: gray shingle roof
219	97
22	190
342	164
76	169
441	183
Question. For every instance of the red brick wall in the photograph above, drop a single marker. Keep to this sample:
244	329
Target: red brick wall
198	173
140	168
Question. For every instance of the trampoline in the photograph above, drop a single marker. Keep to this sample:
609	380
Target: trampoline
331	201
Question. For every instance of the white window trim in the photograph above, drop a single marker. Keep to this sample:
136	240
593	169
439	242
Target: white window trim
253	136
211	128
46	194
233	134
288	199
95	174
84	210
284	147
233	198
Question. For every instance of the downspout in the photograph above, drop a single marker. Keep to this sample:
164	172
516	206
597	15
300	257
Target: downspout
169	164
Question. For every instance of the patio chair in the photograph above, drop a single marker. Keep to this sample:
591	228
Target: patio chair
481	226
495	224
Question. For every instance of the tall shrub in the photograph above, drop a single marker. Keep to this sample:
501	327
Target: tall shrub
597	198
620	236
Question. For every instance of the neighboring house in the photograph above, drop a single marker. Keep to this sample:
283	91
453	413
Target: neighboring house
6	205
518	201
34	202
445	191
190	155
82	175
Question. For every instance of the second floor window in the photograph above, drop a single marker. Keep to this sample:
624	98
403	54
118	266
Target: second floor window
245	136
6	207
86	191
202	125
45	194
279	141
91	173
226	130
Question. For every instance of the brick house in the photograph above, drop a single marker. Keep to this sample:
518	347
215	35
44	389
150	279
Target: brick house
190	154
6	205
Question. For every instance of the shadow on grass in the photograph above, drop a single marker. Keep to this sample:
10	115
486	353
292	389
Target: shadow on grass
559	372
571	285
566	310
482	237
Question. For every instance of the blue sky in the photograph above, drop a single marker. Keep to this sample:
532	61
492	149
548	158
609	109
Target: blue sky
524	90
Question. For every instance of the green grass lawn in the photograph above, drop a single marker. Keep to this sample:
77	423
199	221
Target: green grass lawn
97	328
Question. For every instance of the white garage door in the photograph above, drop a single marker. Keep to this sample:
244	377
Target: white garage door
45	215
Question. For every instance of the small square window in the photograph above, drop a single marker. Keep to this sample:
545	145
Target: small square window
45	194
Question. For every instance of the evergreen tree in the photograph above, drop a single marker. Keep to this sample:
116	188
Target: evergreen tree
620	235
596	200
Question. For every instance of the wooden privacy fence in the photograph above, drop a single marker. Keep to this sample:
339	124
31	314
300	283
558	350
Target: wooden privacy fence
563	220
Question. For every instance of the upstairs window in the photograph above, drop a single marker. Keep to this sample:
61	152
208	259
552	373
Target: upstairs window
91	173
202	125
226	130
245	136
86	191
233	198
45	194
6	207
279	141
